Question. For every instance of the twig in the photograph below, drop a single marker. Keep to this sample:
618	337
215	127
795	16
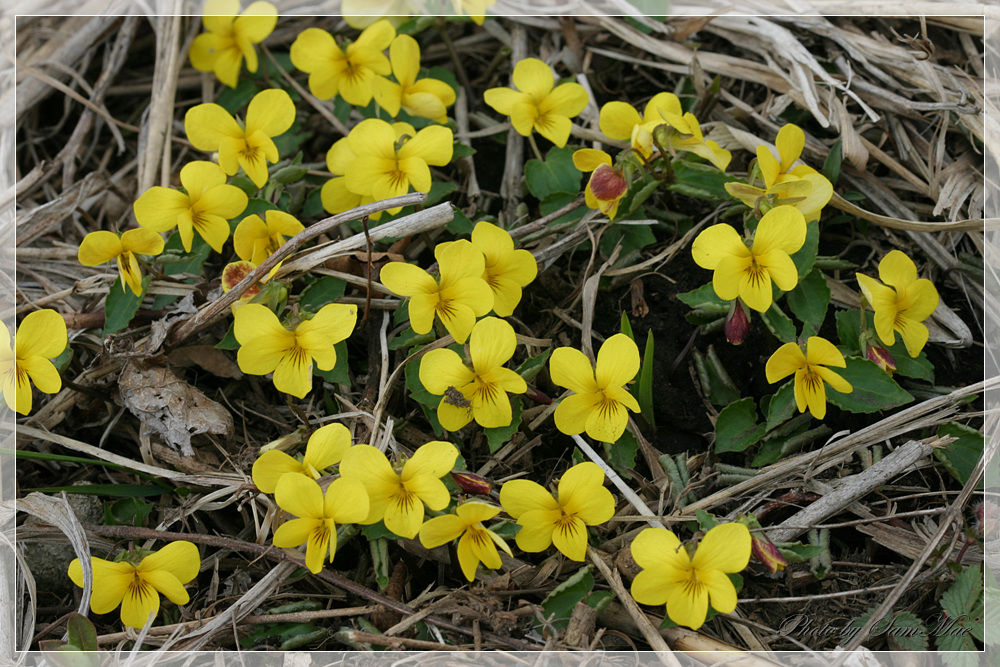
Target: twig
630	495
404	643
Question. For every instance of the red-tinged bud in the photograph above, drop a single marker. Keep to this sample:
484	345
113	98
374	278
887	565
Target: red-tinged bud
881	356
471	483
537	396
768	554
737	323
233	275
607	184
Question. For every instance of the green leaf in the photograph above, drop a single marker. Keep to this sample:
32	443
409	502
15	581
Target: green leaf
806	256
831	165
782	406
325	290
873	389
706	521
556	174
644	388
640	196
963	601
461	150
439	190
497	437
460	224
121	306
632	237
779	324
409	338
557	607
234	99
908	633
621	455
127	512
81	632
533	365
714	379
113	490
375	531
229	341
185	262
702	296
796	552
556	201
961	456
810	298
736	427
849	331
700	180
339	374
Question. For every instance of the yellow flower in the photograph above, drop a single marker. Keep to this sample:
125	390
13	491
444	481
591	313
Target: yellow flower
482	389
747	272
599	403
326	447
686	584
507	270
99	247
256	240
349	72
427	98
810	372
582	501
42	336
622	122
230	38
267	346
335	195
345	501
458	299
477	545
386	165
802	187
399	498
206	208
902	307
209	127
536	104
137	587
606	186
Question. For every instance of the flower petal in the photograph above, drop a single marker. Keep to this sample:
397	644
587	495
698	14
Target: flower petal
294	533
293	374
327	446
206	125
833	379
407	279
570	538
782	228
139	603
522	495
534	77
300	495
271	466
573	414
434	145
589	159
443	368
570	368
441	530
582	493
820	351
492	344
786	360
537	526
179	558
726	548
346	501
897	269
617	361
617	120
99	247
167	584
271	112
715	243
42	333
435	458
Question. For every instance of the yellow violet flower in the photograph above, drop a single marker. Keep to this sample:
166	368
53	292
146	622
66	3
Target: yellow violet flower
103	246
349	72
538	104
345	501
267	346
326	447
457	299
784	183
478	544
476	9
686	584
621	121
903	303
386	165
230	38
606	186
482	388
598	404
810	371
581	501
206	208
427	98
747	272
507	270
399	498
255	240
209	127
137	588
41	336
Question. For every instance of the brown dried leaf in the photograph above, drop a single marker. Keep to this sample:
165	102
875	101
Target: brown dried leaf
170	406
207	357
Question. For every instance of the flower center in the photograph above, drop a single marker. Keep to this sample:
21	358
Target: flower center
756	273
692	585
811	380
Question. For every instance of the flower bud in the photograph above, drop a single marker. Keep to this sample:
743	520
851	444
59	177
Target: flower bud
881	356
737	323
471	483
233	275
537	396
767	553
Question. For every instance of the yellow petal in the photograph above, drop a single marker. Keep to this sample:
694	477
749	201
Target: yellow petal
570	538
404	55
687	606
434	145
716	242
422	309
371	468
468	558
346	501
140	602
475	512
769	166
435	458
570	368
920	299
271	112
257	21
179	558
820	351
314	50
617	361
574	412
780	267
553	127
271	466
522	495
492	344
582	492
833	379
206	125
726	547
897	269
503	100
589	159
42	333
454	417
617	120
790	142
404	514
300	495
457	318
293	374
99	247
294	533
782	228
537	526
913	333
327	446
607	423
441	530
720	589
166	583
443	368
786	360
534	77
43	374
218	15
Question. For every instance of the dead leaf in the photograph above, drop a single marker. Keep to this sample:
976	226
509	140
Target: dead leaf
206	357
171	407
